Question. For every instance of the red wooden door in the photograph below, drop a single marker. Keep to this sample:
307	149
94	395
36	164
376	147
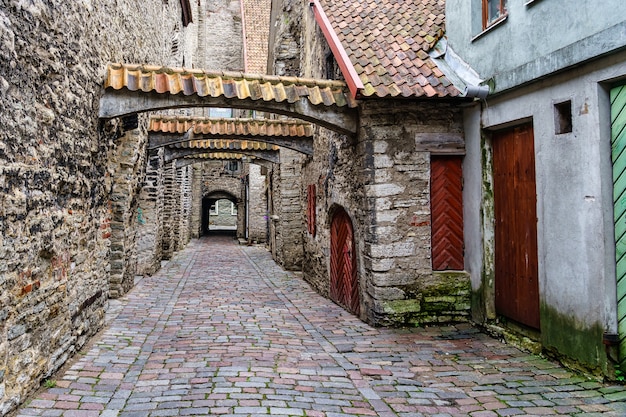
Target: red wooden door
446	204
344	286
515	206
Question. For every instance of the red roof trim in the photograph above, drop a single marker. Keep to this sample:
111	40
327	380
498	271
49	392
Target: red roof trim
352	78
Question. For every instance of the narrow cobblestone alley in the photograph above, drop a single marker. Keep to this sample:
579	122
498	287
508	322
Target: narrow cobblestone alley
222	330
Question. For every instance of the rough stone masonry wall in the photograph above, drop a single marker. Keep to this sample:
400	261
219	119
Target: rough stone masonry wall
54	185
217	183
338	183
150	215
382	180
195	221
127	161
287	216
396	177
257	206
171	206
184	179
288	223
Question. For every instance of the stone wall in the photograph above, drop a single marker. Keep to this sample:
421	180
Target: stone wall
221	41
286	37
127	161
218	183
171	206
226	214
257	204
184	179
195	221
150	215
286	211
55	218
381	178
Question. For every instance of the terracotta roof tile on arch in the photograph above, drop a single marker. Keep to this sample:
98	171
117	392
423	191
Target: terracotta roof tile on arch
226	144
164	80
388	42
221	126
220	155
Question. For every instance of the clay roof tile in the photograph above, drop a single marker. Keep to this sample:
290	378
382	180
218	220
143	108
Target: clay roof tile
399	34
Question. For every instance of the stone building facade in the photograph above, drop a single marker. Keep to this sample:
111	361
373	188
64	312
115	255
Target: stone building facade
60	234
379	177
84	206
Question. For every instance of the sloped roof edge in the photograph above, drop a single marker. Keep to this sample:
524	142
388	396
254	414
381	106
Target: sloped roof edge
349	72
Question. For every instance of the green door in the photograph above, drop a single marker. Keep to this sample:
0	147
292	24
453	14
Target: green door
618	155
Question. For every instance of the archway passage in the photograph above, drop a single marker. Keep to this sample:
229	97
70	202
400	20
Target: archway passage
220	213
344	283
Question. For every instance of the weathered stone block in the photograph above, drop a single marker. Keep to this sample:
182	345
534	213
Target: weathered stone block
384	190
397	249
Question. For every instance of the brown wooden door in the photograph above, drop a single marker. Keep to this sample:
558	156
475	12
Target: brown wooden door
515	206
446	204
344	286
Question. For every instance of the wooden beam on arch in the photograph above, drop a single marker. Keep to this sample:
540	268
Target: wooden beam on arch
302	145
131	89
267	155
165	130
180	163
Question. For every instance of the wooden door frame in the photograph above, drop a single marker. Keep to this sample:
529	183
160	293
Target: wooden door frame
532	323
333	215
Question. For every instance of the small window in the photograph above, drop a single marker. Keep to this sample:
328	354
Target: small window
232	167
493	10
213	210
233	209
563	117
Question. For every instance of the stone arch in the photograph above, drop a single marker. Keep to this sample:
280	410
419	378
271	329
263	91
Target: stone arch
132	89
213	198
221	132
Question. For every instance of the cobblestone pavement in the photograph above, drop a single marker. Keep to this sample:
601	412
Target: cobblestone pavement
222	330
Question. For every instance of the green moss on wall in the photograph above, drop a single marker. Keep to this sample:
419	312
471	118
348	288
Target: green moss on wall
445	298
576	344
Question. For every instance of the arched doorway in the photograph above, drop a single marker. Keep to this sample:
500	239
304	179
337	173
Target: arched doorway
344	283
221	214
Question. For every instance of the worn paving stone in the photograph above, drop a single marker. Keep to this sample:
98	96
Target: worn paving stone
223	330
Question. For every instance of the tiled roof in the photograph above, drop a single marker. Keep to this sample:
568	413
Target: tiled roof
220	126
219	155
224	144
388	41
163	80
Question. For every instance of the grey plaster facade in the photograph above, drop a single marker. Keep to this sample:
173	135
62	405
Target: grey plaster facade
576	244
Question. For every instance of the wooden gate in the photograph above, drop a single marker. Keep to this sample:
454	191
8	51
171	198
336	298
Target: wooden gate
446	204
344	285
515	206
618	156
